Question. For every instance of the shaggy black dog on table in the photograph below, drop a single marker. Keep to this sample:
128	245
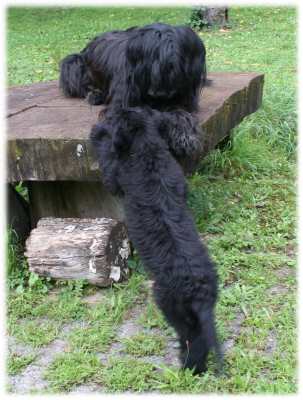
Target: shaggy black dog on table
136	164
159	65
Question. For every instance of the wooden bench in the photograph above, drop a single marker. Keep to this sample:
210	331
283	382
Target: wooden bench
48	146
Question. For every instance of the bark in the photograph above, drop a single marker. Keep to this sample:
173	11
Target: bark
71	248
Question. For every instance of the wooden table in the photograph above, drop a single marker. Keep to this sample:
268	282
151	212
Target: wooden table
48	146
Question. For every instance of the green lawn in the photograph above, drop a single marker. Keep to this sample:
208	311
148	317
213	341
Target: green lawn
244	202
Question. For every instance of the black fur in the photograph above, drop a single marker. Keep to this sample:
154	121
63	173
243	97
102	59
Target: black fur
159	65
136	164
180	129
74	79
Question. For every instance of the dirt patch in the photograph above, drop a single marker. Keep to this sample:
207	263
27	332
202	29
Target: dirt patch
18	348
128	328
271	344
89	388
70	326
94	299
32	376
172	352
291	250
30	380
277	290
284	272
235	329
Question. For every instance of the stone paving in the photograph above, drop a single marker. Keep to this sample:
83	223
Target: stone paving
31	380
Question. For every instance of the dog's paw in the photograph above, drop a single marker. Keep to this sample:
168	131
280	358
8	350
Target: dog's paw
95	98
99	131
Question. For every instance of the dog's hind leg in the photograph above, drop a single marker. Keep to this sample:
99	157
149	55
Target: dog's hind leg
202	341
181	318
195	327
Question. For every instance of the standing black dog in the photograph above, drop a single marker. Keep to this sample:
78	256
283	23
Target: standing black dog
159	65
136	163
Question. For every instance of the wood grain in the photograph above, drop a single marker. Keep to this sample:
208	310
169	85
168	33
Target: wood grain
48	133
72	248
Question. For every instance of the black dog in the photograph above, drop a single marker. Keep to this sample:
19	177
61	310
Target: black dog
180	129
136	164
159	65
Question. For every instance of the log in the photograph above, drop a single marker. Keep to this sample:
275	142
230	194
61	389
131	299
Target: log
72	248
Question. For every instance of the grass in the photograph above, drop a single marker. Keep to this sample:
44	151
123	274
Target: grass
35	333
152	317
70	369
144	345
34	54
95	338
178	381
126	374
243	198
104	318
17	363
15	262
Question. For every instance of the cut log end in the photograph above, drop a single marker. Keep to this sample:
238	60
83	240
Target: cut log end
75	248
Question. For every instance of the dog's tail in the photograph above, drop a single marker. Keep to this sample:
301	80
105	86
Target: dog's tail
74	80
200	347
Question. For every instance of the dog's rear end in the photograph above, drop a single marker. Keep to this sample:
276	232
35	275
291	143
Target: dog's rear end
74	79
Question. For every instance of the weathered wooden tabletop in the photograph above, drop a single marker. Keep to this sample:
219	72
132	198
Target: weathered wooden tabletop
48	133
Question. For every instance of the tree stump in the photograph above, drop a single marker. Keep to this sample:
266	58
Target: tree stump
73	248
204	17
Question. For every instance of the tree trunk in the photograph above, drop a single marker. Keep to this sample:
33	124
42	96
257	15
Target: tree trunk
73	248
202	17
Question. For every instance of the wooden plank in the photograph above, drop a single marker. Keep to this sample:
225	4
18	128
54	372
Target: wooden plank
48	134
